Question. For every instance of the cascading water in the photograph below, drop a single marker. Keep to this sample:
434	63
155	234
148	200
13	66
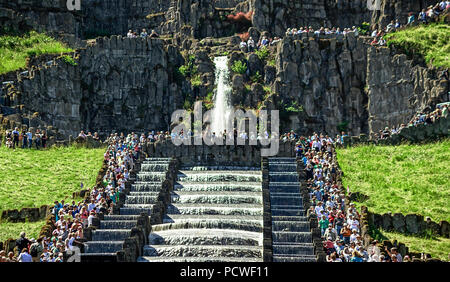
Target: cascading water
222	108
214	215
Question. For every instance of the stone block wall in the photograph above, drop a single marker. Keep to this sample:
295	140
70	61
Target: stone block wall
245	155
438	129
117	84
398	88
409	224
326	75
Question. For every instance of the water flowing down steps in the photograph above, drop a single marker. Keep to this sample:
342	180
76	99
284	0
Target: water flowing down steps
291	236
108	239
215	215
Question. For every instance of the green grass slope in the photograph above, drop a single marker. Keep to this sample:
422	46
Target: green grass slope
430	41
405	179
14	50
32	178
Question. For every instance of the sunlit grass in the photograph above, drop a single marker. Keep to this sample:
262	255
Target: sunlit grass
14	50
12	230
437	247
405	179
431	41
32	178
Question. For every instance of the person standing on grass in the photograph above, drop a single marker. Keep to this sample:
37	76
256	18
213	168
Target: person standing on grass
37	140
30	138
15	138
44	139
24	139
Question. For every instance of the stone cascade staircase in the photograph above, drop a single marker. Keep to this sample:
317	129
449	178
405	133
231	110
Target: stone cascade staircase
291	235
108	239
215	215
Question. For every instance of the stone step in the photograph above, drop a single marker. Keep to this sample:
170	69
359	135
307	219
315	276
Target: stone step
118	224
297	237
202	251
219	176
170	218
198	259
217	197
223	209
289	218
282	160
292	249
231	223
135	211
217	187
291	226
146	187
120	217
291	258
287	212
143	193
219	168
294	200
110	234
141	200
205	237
103	246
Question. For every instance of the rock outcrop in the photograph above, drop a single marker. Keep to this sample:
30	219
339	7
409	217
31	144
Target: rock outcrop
327	77
117	84
398	88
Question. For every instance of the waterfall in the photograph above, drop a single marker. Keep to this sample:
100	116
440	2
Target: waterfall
222	108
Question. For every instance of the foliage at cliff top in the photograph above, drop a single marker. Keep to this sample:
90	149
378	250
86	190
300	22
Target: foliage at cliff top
14	50
32	178
405	178
431	41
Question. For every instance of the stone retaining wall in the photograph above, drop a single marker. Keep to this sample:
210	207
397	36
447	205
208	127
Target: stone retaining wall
245	155
408	224
267	213
414	134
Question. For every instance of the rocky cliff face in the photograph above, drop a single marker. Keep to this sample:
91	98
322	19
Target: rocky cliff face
118	84
327	77
51	16
398	88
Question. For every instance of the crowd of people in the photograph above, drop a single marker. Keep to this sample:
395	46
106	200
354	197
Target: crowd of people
71	219
339	224
249	46
420	118
25	139
426	16
142	34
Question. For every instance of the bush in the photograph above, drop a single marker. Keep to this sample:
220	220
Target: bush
189	69
364	28
69	60
256	77
196	81
428	41
294	108
263	53
209	104
239	67
342	126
